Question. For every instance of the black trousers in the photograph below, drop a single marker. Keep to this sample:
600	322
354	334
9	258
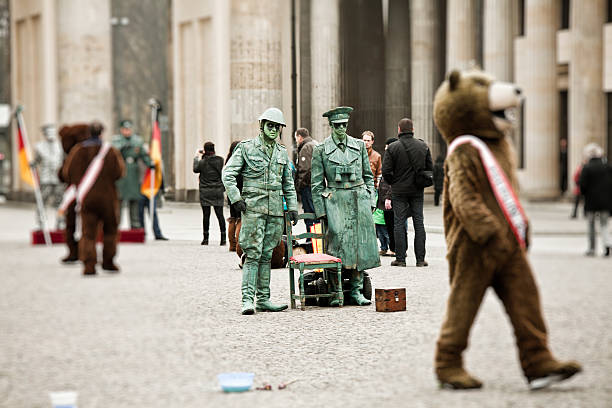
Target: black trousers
389	220
403	207
206	218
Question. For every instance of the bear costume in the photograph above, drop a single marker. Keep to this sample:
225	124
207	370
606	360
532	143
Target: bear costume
483	249
70	136
101	204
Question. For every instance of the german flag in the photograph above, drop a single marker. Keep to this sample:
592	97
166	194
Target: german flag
156	158
22	152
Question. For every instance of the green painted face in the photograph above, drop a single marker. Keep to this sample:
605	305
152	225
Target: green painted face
339	129
271	131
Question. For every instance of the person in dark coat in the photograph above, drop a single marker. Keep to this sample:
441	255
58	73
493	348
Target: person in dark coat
407	195
596	187
438	179
234	219
211	187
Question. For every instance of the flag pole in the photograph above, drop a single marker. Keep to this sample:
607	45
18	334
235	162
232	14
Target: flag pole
37	195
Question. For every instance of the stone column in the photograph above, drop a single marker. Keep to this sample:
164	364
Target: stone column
398	66
325	62
498	39
586	99
461	44
425	42
541	138
84	62
255	64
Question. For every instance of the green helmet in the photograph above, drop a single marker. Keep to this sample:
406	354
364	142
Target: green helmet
273	115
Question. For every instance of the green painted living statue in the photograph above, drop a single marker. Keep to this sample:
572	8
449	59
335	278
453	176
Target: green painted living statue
343	193
264	166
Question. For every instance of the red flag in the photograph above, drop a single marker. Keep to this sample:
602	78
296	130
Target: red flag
156	158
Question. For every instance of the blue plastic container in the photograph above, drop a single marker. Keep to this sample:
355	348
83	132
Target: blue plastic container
236	382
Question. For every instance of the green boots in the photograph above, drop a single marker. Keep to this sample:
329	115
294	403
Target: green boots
249	282
263	291
356	284
256	278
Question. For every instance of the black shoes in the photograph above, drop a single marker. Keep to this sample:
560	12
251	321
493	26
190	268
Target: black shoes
398	263
422	263
161	238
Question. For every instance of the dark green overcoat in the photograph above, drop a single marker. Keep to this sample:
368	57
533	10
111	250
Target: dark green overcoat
132	150
343	189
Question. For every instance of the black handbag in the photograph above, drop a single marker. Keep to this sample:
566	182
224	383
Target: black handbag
422	178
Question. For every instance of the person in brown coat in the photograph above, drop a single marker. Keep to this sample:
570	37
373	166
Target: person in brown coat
374	157
484	247
101	204
70	136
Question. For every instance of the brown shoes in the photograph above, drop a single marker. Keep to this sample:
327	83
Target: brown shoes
422	263
456	378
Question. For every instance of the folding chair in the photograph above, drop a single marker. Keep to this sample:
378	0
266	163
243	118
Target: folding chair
309	262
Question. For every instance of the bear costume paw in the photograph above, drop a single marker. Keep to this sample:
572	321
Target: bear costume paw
456	378
551	372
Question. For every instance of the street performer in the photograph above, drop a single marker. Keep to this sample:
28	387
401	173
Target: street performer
343	193
96	196
264	165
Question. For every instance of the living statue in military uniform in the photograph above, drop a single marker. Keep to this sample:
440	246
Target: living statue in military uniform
264	166
132	150
343	194
48	157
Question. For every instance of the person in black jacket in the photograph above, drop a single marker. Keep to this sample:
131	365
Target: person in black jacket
596	187
407	196
211	187
438	178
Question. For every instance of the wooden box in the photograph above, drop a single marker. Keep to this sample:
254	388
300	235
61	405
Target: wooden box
390	300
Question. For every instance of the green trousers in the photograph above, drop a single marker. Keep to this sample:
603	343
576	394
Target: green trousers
259	235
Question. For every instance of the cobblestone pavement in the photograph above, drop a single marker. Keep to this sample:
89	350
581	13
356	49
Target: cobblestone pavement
157	334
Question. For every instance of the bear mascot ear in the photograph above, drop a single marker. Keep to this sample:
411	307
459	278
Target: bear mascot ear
453	79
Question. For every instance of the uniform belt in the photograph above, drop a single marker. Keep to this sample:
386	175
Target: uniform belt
263	186
346	184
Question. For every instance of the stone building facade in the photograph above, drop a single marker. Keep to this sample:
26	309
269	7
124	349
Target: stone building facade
217	64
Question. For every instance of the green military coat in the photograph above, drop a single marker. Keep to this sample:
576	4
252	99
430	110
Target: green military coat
266	179
132	150
343	189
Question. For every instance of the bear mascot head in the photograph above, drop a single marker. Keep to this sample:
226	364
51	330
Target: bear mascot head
473	103
71	135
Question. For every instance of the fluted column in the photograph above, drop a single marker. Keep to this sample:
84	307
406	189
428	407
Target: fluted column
498	38
255	64
424	20
461	45
397	70
586	98
541	138
84	62
325	62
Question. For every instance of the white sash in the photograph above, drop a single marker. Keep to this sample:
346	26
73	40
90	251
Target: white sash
79	192
505	195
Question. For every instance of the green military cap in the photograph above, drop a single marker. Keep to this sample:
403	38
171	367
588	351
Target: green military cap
338	115
126	123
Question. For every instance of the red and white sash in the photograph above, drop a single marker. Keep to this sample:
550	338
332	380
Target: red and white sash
505	195
79	192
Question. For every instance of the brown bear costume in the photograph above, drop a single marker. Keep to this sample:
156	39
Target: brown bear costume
101	203
70	136
483	250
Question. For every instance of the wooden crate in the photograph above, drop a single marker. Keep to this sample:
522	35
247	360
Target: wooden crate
390	300
57	236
